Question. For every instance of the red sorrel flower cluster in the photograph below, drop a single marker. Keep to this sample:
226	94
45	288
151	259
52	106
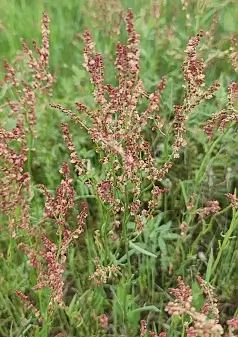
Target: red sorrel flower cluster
226	115
144	332
117	126
194	76
205	322
15	145
102	274
50	259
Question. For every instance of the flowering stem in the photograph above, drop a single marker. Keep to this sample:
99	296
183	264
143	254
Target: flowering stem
124	234
29	155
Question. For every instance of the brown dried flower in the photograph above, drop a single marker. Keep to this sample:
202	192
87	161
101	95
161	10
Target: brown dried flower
101	274
211	208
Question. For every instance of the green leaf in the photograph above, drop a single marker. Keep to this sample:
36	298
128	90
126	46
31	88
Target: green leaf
164	228
229	21
184	192
162	244
141	250
156	221
147	308
209	266
124	257
131	225
133	317
171	236
198	299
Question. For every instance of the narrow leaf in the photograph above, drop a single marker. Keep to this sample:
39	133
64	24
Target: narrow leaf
141	250
209	266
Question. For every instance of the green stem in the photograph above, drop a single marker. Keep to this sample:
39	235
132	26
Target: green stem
205	162
207	229
225	241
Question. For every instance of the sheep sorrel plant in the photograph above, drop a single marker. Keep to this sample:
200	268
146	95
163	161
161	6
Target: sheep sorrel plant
136	239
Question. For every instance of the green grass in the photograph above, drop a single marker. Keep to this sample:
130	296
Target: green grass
151	262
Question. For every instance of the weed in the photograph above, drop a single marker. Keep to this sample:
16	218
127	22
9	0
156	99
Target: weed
145	167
